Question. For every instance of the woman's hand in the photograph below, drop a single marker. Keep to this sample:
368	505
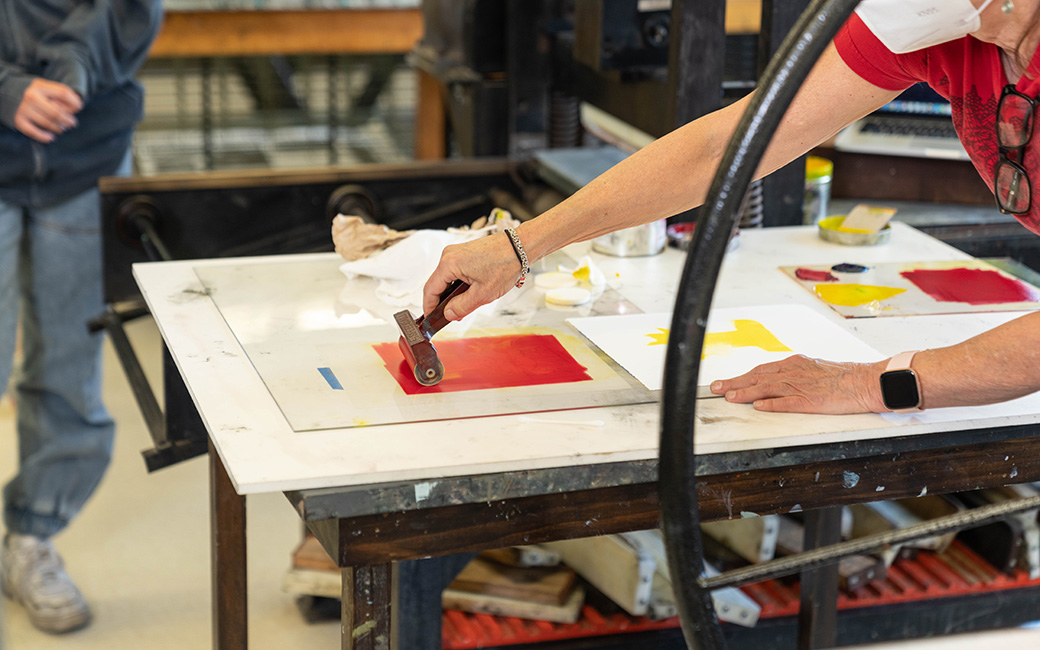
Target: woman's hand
48	108
488	265
799	384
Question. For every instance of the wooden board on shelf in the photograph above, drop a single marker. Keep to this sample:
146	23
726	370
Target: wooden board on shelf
623	573
547	586
567	612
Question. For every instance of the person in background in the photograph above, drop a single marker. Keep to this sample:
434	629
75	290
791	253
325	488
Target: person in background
980	54
68	107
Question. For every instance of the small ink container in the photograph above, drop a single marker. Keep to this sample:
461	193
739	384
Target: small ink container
819	172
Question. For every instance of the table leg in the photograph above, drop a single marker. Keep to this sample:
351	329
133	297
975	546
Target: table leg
420	586
366	607
818	617
227	558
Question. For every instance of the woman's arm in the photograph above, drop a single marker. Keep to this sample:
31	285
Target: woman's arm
667	177
997	365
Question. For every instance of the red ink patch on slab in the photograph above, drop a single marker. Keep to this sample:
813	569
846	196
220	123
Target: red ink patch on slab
971	286
815	276
490	362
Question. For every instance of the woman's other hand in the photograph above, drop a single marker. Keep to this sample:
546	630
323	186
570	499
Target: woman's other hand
799	384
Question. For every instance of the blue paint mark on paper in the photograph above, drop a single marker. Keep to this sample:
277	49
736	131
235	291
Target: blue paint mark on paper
851	479
331	378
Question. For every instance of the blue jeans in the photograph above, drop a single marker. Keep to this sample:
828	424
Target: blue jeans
50	273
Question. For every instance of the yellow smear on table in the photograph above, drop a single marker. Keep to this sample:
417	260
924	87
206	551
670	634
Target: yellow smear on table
855	295
748	334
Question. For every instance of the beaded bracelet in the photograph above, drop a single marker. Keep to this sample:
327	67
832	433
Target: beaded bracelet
521	255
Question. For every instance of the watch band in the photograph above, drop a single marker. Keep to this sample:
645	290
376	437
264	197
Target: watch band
902	361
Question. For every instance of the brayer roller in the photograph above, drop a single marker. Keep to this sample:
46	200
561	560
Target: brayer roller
416	333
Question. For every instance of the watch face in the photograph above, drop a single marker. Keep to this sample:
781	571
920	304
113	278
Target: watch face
899	389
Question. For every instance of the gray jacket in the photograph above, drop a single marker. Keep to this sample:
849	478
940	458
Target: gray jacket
92	46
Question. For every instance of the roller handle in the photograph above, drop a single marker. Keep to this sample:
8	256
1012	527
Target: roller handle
435	321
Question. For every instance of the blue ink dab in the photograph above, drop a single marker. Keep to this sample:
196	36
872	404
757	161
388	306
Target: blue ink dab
846	267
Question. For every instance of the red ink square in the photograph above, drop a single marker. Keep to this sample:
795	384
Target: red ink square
971	286
490	362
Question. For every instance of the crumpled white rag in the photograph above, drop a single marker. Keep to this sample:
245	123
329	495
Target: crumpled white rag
404	267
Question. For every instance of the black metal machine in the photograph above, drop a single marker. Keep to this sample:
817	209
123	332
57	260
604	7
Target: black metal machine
513	72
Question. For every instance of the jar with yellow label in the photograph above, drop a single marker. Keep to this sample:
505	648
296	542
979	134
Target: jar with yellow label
819	172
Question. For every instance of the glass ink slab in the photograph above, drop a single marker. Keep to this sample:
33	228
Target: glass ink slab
314	338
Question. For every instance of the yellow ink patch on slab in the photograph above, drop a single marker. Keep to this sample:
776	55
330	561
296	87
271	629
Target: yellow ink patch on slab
660	337
855	295
748	334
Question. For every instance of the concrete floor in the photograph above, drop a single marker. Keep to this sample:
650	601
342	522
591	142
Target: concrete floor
140	549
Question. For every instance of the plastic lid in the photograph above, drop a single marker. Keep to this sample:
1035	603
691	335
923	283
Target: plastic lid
568	296
554	280
816	167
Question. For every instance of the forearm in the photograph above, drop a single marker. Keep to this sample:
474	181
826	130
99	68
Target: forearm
664	178
673	174
997	365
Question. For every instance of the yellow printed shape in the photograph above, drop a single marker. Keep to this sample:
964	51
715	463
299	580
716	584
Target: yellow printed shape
855	295
748	334
660	337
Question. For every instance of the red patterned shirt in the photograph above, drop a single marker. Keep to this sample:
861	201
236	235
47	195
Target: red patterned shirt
968	72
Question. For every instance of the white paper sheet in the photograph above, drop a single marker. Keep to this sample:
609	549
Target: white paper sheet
637	342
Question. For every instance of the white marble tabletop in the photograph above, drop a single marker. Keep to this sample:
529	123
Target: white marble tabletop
262	452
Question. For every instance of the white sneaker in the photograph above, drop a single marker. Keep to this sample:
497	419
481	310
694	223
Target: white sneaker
34	576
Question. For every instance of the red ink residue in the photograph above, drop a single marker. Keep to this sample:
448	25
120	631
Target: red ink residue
490	362
972	286
815	276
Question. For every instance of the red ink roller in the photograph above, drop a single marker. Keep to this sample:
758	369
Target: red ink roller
416	333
